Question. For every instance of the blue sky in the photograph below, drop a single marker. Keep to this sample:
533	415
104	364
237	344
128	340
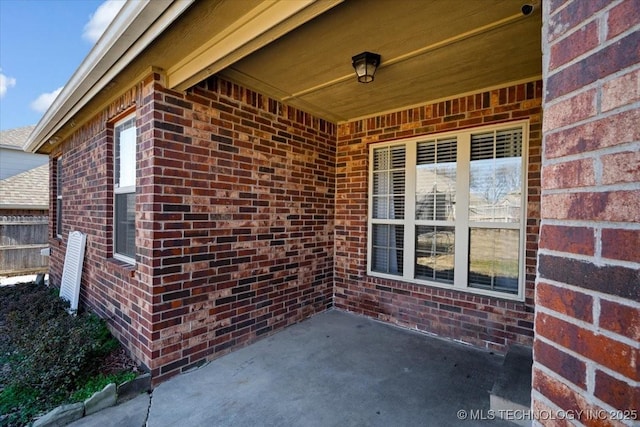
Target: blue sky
42	43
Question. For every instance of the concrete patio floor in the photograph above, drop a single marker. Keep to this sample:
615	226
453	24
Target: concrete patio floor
335	369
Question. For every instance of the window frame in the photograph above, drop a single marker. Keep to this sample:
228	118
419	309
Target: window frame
117	189
462	223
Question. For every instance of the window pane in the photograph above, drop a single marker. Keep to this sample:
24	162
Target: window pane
435	253
495	176
380	183
380	206
493	259
125	153
59	177
387	256
59	196
125	236
388	182
436	180
58	217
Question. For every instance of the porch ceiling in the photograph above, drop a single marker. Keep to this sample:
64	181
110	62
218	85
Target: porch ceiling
300	53
430	50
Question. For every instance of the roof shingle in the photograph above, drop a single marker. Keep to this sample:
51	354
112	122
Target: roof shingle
15	138
28	190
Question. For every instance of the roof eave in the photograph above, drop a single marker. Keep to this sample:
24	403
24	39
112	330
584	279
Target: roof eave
135	27
17	206
10	147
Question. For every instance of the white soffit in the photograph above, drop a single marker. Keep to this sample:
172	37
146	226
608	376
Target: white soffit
255	29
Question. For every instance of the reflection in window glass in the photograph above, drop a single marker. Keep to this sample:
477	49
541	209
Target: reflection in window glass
125	224
436	180
435	253
59	197
495	176
493	259
125	188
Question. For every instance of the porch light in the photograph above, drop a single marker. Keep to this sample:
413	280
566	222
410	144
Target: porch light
365	65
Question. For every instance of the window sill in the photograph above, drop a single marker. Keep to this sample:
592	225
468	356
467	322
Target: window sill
470	291
123	267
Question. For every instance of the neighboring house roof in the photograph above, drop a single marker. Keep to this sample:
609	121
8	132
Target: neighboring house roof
15	138
27	190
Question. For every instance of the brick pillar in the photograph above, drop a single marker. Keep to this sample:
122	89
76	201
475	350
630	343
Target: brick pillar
586	349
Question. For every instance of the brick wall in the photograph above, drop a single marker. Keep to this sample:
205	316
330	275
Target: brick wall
234	220
587	346
482	321
109	288
240	195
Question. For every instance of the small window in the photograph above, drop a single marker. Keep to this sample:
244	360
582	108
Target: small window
58	197
125	189
447	210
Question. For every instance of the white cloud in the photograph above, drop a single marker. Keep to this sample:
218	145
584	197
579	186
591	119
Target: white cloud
5	83
100	20
42	103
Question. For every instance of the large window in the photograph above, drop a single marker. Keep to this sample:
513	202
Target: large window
59	197
447	210
125	189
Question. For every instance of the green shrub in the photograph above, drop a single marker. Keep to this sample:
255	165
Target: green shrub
46	354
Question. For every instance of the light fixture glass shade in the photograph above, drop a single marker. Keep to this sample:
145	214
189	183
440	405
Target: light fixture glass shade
365	65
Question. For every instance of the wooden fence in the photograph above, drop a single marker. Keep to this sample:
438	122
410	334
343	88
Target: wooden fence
21	240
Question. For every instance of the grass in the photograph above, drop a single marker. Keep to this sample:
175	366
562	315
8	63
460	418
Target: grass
48	357
99	382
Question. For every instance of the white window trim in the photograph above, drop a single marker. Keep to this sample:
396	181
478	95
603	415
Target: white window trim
120	190
462	224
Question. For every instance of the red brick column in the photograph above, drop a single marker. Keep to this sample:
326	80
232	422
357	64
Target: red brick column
236	211
586	349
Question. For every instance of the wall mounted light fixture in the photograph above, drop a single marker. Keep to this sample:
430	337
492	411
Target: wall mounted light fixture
365	64
528	8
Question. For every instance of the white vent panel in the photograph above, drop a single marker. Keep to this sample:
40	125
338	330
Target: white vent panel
72	271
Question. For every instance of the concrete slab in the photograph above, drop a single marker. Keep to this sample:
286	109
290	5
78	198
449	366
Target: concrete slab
334	369
511	391
132	413
514	381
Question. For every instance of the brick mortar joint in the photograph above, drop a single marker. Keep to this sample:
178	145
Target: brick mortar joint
593	189
541	309
607	297
631	146
603	42
589	397
598	86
